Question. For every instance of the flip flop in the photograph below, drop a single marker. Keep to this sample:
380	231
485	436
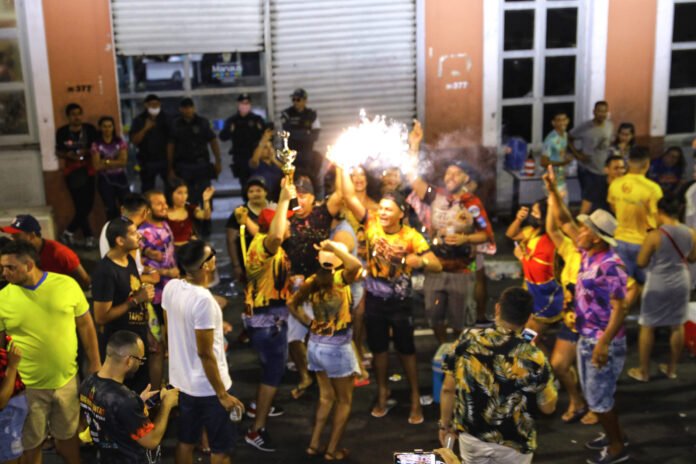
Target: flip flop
358	382
312	452
586	419
664	368
338	455
418	421
576	416
389	406
635	374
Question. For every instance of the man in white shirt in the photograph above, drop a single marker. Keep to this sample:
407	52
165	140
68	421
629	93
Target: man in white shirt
197	363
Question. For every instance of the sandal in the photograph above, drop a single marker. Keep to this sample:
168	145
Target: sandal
338	455
416	421
664	368
589	419
312	452
570	418
388	407
636	375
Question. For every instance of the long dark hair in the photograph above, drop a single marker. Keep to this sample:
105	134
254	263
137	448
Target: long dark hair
681	164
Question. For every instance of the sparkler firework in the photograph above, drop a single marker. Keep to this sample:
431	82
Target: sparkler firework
375	144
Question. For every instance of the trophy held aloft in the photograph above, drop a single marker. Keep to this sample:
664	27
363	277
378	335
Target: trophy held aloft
286	156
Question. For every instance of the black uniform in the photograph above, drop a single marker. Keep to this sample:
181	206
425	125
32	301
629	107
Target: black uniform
304	131
245	133
191	155
152	150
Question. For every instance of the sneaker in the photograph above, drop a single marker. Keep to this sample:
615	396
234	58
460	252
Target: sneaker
605	458
601	442
274	412
260	440
68	238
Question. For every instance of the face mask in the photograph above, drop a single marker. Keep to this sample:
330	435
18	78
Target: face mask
154	111
533	222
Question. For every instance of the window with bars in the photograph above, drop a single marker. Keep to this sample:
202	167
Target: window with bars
540	64
14	108
681	107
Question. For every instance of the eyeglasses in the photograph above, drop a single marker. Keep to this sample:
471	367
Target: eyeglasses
210	256
141	360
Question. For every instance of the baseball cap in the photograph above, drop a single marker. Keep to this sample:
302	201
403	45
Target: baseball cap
256	180
23	223
299	93
244	97
303	184
397	198
602	223
151	97
266	217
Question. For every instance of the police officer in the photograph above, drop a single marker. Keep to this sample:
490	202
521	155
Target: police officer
244	128
187	153
150	132
303	125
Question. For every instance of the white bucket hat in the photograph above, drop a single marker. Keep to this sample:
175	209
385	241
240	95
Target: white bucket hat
601	223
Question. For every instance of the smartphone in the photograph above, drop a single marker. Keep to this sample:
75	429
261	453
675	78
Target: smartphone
417	457
529	335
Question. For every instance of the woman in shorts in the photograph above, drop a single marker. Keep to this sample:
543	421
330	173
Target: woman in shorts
329	351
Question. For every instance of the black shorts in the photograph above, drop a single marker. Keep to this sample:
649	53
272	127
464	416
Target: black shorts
380	316
196	412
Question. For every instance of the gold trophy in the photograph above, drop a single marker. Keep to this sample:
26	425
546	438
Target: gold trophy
286	156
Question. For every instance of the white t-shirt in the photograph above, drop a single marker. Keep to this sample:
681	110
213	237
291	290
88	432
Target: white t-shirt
189	308
104	249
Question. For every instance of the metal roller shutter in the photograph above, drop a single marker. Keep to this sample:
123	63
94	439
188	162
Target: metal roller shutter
153	27
347	55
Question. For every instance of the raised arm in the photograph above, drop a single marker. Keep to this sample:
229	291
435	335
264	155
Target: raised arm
552	229
349	197
514	230
563	217
263	145
276	232
205	212
414	140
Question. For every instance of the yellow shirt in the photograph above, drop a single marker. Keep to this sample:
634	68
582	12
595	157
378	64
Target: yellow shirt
572	258
331	305
634	198
41	321
267	275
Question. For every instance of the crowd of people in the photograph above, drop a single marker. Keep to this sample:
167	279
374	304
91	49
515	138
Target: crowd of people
329	285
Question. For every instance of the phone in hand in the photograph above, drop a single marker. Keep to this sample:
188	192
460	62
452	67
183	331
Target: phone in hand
529	335
417	457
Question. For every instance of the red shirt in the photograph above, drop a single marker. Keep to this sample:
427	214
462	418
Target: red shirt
56	257
18	385
183	228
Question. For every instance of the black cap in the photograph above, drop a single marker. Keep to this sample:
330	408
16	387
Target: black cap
186	103
151	97
23	223
303	184
256	180
243	97
299	93
397	198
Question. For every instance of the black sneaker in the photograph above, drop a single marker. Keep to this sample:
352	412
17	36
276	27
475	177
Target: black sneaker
274	412
260	440
602	442
605	458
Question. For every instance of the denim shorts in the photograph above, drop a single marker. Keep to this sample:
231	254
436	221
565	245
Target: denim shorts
337	361
599	385
271	344
628	252
11	425
198	412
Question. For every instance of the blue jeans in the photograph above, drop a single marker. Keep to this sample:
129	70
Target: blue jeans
337	361
599	384
271	344
11	424
628	252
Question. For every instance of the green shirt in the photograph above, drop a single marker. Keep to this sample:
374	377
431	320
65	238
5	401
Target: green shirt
41	321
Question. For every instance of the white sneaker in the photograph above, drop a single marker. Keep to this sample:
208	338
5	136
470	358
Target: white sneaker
67	238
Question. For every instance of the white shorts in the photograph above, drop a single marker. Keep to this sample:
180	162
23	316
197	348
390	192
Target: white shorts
297	332
475	451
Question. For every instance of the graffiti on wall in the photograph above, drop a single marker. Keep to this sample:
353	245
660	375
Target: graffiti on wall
454	68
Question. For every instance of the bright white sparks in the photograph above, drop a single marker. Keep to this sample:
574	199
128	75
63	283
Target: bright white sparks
375	143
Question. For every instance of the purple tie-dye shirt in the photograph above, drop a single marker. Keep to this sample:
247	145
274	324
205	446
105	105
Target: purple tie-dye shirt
602	277
159	239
